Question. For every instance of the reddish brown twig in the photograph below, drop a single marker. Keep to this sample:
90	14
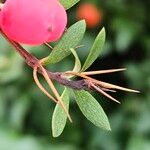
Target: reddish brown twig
86	83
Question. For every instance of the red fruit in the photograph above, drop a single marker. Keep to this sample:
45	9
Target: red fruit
90	13
33	22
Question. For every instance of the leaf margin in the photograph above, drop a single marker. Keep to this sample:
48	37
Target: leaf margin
62	49
95	51
66	5
59	122
104	123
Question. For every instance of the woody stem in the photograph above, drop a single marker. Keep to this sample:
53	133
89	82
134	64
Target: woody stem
32	61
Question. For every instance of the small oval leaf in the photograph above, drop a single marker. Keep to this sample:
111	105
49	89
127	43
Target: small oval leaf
70	39
59	117
91	109
68	3
77	66
95	50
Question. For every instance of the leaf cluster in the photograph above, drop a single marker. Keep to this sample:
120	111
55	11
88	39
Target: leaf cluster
88	105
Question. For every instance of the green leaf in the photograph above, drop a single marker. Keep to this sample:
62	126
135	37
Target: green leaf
70	39
77	66
95	50
68	3
91	109
59	117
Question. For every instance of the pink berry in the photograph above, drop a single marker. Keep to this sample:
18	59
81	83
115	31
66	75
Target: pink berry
33	22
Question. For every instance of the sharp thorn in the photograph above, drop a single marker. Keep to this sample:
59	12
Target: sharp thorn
40	85
112	86
103	71
55	92
79	46
104	93
104	84
108	90
47	45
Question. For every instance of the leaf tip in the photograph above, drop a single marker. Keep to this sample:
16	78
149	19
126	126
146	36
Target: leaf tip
55	131
109	128
55	135
83	21
103	31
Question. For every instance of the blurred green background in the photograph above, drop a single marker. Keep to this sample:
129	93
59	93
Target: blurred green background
25	113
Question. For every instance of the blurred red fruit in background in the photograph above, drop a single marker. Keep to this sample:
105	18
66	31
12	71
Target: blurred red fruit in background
90	13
